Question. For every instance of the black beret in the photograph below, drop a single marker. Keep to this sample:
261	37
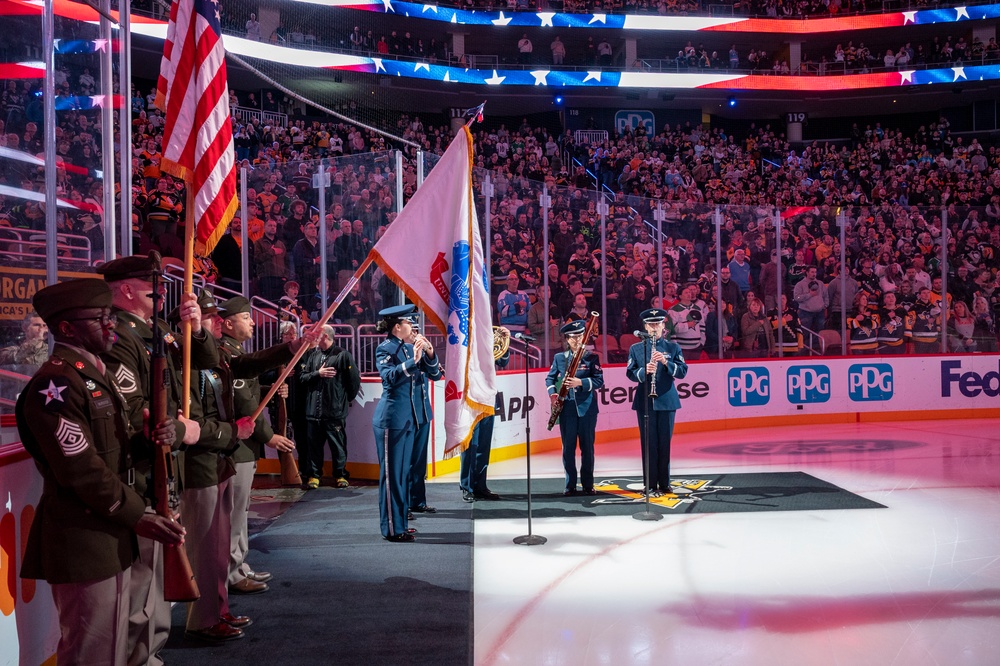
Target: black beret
54	302
234	306
138	266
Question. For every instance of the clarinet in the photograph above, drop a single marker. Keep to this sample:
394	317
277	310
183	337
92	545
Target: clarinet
652	377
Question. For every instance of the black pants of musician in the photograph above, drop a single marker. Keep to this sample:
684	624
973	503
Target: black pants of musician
574	428
476	458
661	429
319	434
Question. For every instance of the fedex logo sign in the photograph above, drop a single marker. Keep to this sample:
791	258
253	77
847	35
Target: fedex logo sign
970	384
869	382
808	383
749	386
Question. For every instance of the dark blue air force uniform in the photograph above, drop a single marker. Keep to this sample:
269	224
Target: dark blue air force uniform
398	416
417	491
665	405
578	419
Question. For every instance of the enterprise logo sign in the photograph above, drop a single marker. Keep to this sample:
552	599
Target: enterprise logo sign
749	386
869	382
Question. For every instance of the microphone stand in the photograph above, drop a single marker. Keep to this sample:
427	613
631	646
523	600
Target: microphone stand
528	539
646	514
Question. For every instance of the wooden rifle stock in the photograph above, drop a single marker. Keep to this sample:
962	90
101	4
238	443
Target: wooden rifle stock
178	578
289	468
588	333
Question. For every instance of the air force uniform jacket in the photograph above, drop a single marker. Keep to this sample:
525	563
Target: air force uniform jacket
675	368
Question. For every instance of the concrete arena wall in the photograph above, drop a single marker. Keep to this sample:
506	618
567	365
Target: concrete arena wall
715	396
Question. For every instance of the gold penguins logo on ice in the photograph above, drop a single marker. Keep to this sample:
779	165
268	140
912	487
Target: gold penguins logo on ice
629	491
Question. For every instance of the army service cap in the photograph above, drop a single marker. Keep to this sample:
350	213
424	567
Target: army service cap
234	306
53	303
126	268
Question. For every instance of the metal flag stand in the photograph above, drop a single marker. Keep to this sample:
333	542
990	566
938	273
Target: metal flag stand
528	539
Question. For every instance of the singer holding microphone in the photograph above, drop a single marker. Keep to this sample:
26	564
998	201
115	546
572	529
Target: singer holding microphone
578	419
654	363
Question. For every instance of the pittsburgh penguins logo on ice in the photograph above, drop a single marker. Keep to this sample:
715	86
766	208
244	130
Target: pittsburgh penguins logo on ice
629	491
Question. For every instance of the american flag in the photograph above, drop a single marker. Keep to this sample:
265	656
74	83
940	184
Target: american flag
193	93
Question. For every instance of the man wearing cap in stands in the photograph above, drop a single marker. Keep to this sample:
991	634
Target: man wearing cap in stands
237	328
207	498
397	416
578	419
73	420
658	361
130	280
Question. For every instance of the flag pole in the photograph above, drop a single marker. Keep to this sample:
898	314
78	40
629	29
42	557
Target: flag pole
188	288
322	320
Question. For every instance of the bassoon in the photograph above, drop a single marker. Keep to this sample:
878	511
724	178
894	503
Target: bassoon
588	333
178	578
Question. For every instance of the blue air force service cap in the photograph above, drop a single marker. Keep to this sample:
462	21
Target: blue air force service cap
398	312
574	327
653	315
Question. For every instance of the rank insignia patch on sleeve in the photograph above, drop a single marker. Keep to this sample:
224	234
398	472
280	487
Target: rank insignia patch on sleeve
126	380
71	439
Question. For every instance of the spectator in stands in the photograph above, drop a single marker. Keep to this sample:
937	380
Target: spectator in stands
757	339
513	305
739	269
524	49
558	51
812	298
271	263
253	28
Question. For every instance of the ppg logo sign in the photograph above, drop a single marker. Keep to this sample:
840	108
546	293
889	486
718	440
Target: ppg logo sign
869	383
749	386
808	383
632	118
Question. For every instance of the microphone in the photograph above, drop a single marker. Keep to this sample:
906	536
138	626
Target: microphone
642	335
524	337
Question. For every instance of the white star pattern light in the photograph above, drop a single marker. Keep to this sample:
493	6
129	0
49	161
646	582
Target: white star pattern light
540	77
907	76
378	64
503	20
960	12
446	77
598	18
430	8
387	5
494	80
53	392
909	17
592	76
546	18
421	65
959	72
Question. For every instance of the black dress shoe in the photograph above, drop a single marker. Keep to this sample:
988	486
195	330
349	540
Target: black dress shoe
409	515
468	497
400	538
424	509
486	495
570	493
589	491
411	530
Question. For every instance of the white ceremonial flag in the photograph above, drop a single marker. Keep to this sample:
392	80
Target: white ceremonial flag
434	253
